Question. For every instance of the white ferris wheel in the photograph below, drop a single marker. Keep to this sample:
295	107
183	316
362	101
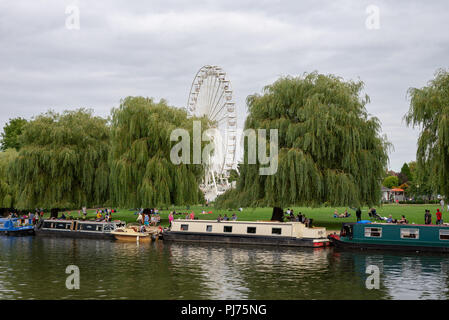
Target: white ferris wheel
211	96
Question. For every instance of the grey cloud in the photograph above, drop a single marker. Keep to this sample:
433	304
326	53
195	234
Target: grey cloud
155	48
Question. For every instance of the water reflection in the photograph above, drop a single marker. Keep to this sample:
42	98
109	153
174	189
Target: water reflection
34	268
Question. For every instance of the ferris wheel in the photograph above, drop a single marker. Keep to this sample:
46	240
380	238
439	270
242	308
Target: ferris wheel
211	96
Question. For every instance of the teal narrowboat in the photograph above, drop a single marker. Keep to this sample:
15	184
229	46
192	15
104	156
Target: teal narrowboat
16	226
392	236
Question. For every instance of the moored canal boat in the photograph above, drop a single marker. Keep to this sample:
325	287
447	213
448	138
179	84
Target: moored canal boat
392	236
275	233
16	226
77	228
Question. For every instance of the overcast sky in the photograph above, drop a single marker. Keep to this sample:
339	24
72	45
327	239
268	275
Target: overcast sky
154	48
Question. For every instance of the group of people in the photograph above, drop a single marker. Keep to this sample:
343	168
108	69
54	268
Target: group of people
151	218
343	215
33	217
226	218
290	215
103	214
428	217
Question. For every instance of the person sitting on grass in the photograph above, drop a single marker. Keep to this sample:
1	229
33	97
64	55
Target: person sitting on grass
234	217
373	214
336	215
402	220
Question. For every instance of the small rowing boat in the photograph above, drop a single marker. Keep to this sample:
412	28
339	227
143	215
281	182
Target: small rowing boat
134	232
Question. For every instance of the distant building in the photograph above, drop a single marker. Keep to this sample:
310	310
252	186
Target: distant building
398	194
386	194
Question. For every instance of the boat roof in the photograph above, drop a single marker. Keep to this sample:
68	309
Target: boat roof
239	222
83	221
399	224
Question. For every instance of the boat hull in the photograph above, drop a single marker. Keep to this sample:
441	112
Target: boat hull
390	247
18	233
131	238
74	234
242	239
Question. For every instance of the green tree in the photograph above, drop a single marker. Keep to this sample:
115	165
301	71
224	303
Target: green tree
390	182
406	173
330	150
11	132
63	161
7	158
142	174
429	110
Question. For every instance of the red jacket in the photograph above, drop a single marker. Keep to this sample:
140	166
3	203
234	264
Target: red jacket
438	215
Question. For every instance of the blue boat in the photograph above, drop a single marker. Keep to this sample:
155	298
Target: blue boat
16	226
392	236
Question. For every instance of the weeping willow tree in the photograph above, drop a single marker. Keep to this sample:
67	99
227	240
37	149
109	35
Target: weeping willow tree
63	161
7	158
429	110
142	174
330	149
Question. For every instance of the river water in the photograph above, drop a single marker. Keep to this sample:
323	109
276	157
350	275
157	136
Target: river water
35	268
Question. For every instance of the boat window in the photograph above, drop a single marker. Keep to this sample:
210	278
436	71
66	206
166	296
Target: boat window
184	227
373	232
47	224
409	233
209	228
62	225
108	227
227	229
444	234
88	227
251	230
276	230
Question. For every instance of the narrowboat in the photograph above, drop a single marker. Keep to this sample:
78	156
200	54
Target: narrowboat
16	226
294	234
392	236
77	228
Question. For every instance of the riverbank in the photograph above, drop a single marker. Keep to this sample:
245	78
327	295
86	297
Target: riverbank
322	217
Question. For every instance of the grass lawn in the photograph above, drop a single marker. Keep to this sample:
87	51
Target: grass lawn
322	217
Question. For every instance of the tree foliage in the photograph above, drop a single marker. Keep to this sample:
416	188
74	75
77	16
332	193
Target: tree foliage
330	149
429	110
7	158
142	174
405	175
390	182
63	161
11	132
